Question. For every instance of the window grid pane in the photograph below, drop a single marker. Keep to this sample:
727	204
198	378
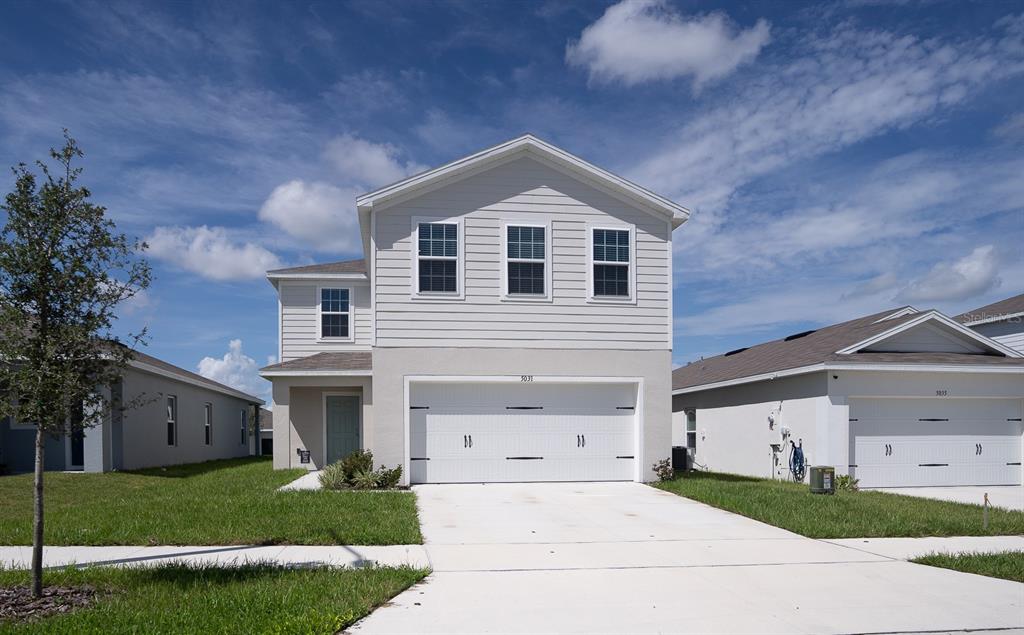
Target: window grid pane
437	276
611	245
439	240
334	325
526	243
526	278
611	280
334	300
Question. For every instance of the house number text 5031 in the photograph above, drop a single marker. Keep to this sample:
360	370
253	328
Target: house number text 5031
526	378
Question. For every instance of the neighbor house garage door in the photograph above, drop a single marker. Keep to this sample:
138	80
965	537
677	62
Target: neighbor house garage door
514	432
936	442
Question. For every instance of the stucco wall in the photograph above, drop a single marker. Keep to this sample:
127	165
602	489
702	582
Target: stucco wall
392	365
144	428
299	417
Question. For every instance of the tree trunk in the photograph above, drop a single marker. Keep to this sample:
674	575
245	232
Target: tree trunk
37	517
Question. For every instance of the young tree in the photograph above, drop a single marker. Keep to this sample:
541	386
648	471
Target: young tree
64	269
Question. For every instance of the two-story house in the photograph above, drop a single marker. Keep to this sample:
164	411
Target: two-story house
512	321
1003	321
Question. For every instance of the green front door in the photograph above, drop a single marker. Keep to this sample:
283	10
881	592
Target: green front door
342	426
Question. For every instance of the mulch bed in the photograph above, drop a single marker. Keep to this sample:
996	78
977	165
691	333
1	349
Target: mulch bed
17	603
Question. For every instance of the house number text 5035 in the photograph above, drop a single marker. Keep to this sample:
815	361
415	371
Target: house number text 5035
941	393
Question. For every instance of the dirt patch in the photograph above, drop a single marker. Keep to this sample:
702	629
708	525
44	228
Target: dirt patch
17	603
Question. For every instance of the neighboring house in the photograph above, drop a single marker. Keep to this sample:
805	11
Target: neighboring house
266	447
512	322
1003	321
899	398
172	416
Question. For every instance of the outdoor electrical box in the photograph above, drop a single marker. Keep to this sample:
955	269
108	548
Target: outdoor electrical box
823	479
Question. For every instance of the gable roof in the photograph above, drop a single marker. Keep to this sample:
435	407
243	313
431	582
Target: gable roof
348	268
148	363
842	343
526	145
1002	310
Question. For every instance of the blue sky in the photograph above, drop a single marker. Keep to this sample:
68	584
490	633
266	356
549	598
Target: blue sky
839	158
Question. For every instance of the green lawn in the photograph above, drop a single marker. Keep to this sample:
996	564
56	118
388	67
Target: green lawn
250	599
1008	566
217	503
846	514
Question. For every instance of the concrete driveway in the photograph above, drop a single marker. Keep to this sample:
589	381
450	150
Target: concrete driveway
1005	496
624	557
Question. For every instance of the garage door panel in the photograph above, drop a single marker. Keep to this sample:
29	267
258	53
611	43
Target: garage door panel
493	432
935	442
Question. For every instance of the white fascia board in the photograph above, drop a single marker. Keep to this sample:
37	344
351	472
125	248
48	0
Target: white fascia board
929	316
831	366
994	318
789	372
355	277
930	368
677	213
316	373
146	368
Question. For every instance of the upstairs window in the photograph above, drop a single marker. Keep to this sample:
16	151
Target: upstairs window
437	258
611	263
526	260
335	313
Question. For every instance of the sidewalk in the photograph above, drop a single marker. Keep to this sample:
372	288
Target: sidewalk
224	555
910	548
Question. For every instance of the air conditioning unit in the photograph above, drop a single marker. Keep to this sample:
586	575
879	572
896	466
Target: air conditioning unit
823	479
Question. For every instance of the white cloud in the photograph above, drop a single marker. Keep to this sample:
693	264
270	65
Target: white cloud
210	252
367	163
321	215
637	41
235	369
1012	129
970	276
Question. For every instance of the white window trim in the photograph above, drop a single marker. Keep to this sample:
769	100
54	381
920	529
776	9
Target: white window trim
171	419
460	260
319	314
520	297
591	298
208	422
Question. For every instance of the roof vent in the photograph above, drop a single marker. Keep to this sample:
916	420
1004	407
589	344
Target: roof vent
738	350
797	336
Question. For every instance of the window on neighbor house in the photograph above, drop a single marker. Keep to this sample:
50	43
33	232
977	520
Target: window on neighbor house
172	420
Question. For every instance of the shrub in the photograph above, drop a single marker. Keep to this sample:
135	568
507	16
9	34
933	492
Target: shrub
388	479
356	463
846	483
333	476
367	479
663	469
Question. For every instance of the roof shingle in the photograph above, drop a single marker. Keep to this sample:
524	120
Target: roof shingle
342	266
355	360
994	311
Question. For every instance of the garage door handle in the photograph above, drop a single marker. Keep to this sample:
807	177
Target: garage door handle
471	440
465	441
584	437
577	440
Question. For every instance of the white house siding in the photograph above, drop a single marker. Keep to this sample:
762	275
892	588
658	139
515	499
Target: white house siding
1008	332
928	338
143	429
531	191
732	424
392	365
299	318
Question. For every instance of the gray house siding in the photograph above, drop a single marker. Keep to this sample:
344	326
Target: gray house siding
527	190
1008	332
299	318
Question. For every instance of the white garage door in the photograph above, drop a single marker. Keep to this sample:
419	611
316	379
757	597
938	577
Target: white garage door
516	432
936	442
